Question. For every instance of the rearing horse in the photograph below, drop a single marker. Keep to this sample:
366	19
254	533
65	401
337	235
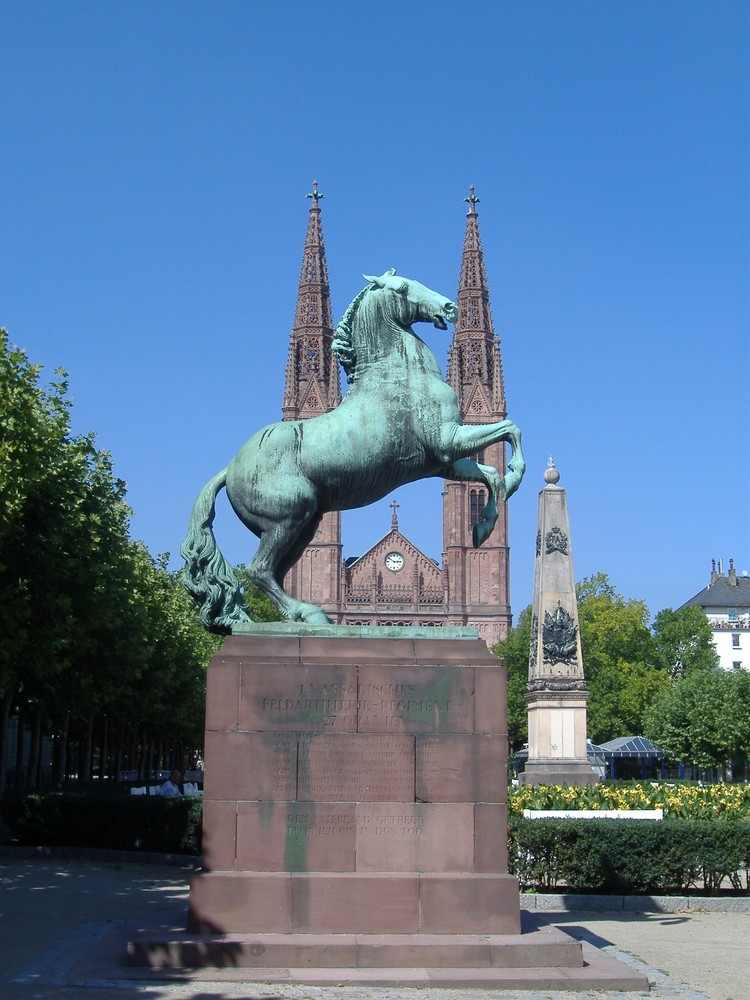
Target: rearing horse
398	422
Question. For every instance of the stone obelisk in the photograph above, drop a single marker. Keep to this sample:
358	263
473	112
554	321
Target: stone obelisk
556	693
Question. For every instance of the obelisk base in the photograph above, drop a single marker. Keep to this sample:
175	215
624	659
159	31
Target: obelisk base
557	739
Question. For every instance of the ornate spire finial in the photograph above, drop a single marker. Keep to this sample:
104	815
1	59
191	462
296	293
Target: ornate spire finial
394	517
551	475
315	195
472	200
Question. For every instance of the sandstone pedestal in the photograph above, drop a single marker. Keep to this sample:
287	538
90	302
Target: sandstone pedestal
355	817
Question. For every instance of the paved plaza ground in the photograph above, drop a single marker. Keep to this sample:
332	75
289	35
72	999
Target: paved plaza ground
63	924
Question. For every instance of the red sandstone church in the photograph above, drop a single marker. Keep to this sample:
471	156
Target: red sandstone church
394	583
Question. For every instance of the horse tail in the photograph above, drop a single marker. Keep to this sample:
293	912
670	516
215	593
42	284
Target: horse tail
207	575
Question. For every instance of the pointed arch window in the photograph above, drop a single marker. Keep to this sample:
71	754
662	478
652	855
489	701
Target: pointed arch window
477	501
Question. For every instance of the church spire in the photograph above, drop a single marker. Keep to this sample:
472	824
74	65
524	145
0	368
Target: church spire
474	367
477	580
311	388
312	377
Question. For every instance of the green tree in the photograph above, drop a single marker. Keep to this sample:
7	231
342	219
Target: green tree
95	636
619	659
83	546
683	642
514	652
38	491
163	701
702	719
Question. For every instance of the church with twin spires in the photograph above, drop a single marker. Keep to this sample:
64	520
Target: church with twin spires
394	583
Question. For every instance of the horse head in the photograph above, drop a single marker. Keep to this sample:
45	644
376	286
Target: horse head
385	309
413	302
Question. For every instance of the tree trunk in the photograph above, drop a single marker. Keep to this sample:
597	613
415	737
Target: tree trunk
5	707
150	751
61	753
19	753
86	752
140	749
104	752
35	747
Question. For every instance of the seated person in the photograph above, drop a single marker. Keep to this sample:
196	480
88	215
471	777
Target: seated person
172	785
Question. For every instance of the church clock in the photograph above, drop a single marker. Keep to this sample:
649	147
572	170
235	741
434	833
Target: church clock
394	561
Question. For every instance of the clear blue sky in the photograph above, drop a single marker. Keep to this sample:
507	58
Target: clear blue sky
155	161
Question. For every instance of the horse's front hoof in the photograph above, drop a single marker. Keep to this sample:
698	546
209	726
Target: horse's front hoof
510	484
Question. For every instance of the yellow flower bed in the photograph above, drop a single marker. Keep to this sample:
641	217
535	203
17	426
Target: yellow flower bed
678	801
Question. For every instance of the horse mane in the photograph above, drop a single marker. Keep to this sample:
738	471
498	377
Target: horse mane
343	342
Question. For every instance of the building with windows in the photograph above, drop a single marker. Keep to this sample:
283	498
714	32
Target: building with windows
393	582
726	603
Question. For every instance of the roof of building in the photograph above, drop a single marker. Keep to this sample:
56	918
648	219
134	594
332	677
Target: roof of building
730	591
630	746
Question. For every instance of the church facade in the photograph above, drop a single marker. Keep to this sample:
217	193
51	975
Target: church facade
394	583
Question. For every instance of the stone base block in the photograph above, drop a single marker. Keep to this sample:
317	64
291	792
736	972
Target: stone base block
542	946
341	902
558	772
541	958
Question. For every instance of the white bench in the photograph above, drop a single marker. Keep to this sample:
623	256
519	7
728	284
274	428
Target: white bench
652	814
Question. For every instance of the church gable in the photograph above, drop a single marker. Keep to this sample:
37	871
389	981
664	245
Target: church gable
313	399
477	404
394	571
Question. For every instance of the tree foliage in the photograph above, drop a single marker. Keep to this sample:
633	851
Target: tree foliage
627	665
683	641
661	682
619	659
96	636
702	719
514	652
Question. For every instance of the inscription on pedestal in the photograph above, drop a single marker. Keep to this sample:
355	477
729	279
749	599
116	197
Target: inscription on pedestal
337	700
306	700
283	764
415	837
436	700
356	767
392	826
295	836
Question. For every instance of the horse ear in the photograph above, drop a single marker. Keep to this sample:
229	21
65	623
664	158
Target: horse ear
374	280
390	271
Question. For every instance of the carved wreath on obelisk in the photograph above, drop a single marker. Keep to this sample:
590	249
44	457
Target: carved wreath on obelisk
559	636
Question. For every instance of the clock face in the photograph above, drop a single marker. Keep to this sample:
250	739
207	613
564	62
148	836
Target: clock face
394	561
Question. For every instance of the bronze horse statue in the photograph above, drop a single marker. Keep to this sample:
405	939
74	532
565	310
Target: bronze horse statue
398	422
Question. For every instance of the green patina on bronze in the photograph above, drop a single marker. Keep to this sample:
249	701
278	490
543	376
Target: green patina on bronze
398	422
429	709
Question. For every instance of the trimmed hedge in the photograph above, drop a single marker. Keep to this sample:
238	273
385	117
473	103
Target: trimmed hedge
115	822
673	857
593	856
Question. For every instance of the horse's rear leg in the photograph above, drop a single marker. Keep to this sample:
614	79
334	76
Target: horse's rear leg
276	547
457	440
